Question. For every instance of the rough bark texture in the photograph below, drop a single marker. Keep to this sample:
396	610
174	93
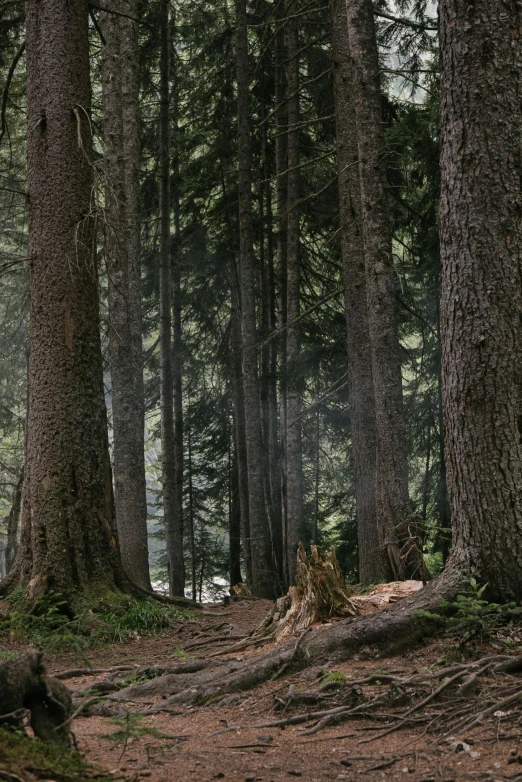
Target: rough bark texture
393	504
263	581
68	537
177	334
373	566
269	365
173	524
122	224
481	312
234	521
281	252
239	420
295	526
24	686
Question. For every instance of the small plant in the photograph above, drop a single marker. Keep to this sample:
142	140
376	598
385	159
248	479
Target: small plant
472	616
333	676
25	757
134	617
180	653
131	727
47	624
50	624
6	654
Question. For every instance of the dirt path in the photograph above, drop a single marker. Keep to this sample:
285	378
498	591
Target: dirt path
225	740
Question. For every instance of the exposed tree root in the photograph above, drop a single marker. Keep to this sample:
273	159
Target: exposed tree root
384	633
319	594
401	690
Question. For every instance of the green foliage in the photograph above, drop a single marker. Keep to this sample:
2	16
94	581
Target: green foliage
131	727
19	754
49	624
179	653
333	676
134	617
7	654
472	616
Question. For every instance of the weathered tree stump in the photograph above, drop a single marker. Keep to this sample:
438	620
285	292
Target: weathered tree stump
25	687
319	594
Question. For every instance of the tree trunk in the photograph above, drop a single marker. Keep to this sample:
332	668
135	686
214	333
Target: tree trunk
280	113
296	531
173	529
122	230
69	536
239	420
393	505
269	367
263	576
234	517
373	564
481	311
177	337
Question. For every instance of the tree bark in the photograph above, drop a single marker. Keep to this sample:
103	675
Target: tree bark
239	420
69	536
373	566
173	529
234	517
281	140
263	576
481	311
393	506
177	336
269	365
122	230
296	530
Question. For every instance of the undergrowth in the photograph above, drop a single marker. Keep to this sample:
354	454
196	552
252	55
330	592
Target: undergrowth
49	623
19	754
471	617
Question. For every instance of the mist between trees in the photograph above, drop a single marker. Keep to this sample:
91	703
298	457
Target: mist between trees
224	300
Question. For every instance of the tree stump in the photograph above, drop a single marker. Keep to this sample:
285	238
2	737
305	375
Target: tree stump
25	687
319	594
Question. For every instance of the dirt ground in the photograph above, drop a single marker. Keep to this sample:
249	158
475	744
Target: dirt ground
228	741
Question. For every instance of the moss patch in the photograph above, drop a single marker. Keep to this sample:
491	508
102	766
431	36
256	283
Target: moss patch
24	758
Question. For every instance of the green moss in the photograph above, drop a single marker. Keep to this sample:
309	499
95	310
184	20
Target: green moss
54	625
19	754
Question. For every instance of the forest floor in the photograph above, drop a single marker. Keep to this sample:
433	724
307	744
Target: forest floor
227	740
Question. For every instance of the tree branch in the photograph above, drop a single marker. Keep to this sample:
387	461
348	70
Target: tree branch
406	22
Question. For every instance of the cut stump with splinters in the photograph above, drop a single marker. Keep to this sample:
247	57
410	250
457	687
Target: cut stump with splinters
319	594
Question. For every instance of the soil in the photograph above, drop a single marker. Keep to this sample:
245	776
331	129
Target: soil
227	740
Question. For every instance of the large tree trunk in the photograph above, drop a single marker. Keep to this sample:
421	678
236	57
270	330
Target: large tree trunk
122	230
393	506
173	528
269	365
177	335
68	538
481	245
263	576
373	566
296	531
281	139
